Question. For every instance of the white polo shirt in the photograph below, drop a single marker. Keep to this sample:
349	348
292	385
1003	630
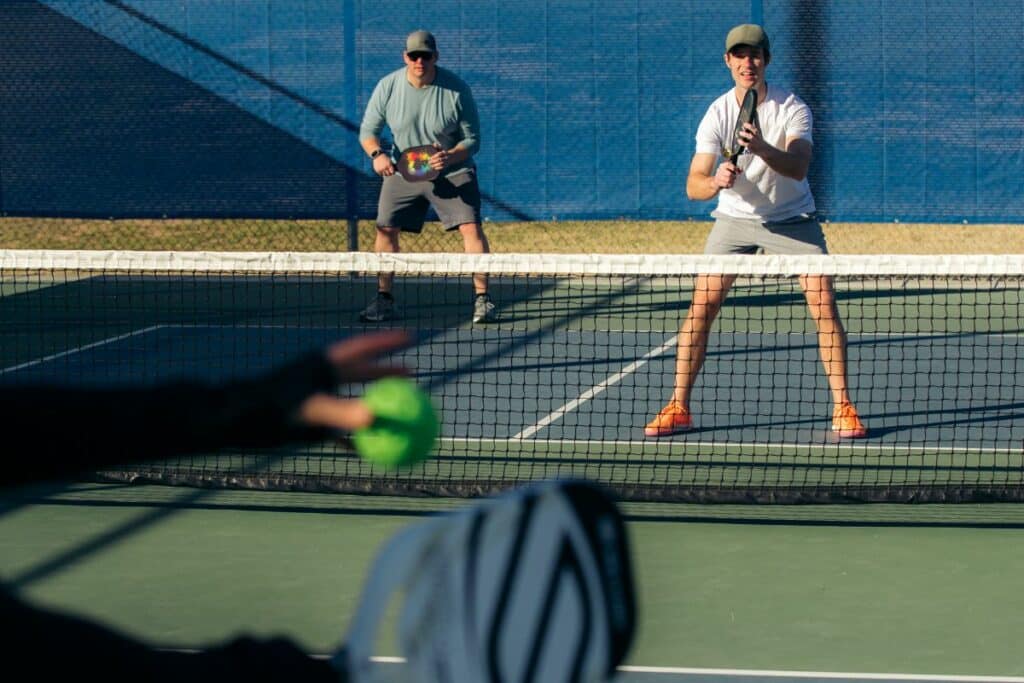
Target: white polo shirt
759	192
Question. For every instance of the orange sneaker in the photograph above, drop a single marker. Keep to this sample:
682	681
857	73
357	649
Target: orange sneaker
846	424
672	419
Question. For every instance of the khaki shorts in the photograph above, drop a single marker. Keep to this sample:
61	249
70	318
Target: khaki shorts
800	235
403	204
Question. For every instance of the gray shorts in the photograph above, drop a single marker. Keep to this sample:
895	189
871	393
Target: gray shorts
800	235
403	204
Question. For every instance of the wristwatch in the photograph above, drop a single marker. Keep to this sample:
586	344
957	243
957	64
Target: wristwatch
376	153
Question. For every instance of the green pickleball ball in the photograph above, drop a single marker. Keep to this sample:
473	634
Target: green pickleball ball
405	426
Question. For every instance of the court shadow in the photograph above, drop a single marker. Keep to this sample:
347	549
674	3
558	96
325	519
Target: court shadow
985	416
84	548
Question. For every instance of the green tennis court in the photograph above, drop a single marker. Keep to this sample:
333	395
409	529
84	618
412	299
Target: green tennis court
749	592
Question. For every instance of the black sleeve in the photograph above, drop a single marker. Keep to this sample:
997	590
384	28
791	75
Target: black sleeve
56	647
56	432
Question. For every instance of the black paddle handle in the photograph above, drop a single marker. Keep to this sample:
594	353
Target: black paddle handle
748	113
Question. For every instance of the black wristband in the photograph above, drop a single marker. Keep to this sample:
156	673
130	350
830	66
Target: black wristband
376	153
263	410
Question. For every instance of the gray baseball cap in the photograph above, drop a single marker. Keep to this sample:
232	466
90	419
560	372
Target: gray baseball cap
747	34
421	41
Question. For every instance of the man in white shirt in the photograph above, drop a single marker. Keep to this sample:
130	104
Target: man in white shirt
764	204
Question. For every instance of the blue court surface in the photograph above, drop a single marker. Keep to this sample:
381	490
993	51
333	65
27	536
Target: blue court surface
942	408
931	392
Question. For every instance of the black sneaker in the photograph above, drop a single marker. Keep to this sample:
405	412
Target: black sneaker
381	309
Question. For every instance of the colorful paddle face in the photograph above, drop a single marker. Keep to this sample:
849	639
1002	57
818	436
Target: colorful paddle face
414	164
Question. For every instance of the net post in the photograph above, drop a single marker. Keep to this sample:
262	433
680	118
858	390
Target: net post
353	234
353	150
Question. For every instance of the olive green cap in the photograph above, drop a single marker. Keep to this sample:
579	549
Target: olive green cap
747	34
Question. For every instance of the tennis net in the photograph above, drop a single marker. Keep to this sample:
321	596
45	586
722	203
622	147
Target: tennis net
581	358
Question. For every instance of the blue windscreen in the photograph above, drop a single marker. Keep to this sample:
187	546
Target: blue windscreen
588	108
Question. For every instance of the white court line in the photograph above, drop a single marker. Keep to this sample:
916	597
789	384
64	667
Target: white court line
745	445
595	390
79	349
749	673
759	673
524	332
820	674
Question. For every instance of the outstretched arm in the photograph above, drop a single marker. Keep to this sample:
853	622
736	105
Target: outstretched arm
58	432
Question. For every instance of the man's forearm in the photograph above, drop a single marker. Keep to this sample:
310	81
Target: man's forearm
789	164
701	187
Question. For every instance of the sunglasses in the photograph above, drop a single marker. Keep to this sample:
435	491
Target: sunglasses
417	56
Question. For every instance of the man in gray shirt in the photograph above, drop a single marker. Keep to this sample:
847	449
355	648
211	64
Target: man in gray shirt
425	106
